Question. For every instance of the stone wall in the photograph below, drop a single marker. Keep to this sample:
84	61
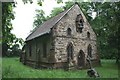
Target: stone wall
36	58
79	40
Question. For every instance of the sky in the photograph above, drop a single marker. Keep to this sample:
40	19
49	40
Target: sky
25	13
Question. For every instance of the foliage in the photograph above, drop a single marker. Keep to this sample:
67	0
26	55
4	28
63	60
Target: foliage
9	40
106	27
39	19
59	1
12	68
105	24
7	15
40	16
56	11
40	2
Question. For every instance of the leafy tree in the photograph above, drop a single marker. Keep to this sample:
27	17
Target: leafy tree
10	44
8	39
39	19
56	11
106	27
7	16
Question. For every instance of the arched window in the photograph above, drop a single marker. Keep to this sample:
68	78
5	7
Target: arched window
90	50
79	23
70	51
88	35
69	31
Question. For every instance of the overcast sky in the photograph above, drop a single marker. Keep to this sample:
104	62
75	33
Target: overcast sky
25	13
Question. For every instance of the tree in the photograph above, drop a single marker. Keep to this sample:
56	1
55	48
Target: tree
7	16
39	19
56	11
106	27
8	39
10	43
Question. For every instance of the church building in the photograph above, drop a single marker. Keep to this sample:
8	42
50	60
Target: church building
65	40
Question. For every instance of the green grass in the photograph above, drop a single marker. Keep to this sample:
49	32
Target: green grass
12	68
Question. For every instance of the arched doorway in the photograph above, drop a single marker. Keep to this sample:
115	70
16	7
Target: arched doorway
69	52
81	58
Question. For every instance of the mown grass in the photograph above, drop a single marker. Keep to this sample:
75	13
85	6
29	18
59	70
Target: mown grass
12	68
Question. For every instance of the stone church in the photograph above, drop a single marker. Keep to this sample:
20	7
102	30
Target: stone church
62	41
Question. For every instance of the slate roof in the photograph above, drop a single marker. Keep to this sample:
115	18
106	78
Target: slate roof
47	25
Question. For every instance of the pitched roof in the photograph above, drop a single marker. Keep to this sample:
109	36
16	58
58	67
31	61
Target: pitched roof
47	25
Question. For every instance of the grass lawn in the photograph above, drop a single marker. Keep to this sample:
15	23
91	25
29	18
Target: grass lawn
12	68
